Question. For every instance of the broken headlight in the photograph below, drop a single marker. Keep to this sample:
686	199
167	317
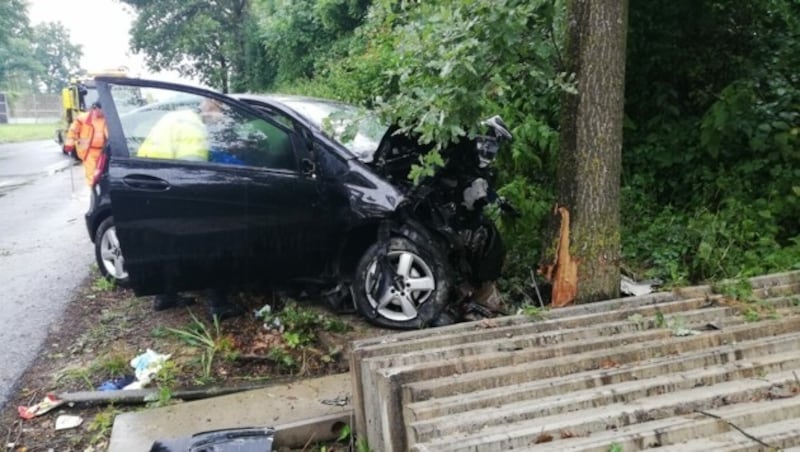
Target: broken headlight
487	148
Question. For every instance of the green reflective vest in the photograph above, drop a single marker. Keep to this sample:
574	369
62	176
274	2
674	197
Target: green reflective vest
178	135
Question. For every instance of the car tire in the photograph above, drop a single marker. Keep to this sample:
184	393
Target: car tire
108	253
419	292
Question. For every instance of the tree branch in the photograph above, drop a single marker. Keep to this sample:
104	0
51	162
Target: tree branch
704	413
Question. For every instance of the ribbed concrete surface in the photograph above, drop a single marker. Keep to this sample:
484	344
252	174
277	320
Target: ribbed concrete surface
697	376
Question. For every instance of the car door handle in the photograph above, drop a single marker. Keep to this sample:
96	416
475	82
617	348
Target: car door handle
144	182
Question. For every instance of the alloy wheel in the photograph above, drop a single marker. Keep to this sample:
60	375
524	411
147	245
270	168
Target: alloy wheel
413	284
111	255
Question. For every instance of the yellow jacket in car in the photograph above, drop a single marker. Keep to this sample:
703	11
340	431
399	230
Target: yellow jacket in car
179	135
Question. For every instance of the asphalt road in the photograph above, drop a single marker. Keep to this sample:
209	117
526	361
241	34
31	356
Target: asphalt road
45	251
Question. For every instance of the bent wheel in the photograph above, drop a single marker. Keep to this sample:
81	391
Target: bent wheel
415	283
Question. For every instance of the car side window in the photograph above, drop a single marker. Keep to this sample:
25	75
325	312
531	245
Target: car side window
182	126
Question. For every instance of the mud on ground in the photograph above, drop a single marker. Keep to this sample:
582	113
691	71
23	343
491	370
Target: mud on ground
104	327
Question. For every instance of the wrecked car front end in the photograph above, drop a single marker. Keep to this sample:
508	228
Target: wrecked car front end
436	251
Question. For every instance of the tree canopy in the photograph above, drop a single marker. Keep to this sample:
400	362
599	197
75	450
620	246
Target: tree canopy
712	105
37	59
197	38
59	57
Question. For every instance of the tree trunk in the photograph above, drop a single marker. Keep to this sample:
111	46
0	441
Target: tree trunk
589	167
239	19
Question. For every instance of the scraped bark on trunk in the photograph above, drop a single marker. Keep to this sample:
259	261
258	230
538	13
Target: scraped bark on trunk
563	273
589	168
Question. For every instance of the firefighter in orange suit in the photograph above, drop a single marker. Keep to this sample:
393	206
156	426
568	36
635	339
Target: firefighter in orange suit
73	131
86	137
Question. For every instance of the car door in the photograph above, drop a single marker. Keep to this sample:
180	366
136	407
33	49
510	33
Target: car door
205	191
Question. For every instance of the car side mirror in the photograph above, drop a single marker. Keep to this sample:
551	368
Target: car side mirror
307	167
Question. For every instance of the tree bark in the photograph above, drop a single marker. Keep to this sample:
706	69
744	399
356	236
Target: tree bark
590	160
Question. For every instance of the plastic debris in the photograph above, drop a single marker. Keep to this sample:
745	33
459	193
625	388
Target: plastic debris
147	366
67	421
636	288
341	400
49	402
272	322
265	311
249	439
116	383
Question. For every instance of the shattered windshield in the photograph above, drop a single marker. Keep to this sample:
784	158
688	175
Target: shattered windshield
358	130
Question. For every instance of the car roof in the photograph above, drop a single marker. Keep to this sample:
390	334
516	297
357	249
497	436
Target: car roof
286	100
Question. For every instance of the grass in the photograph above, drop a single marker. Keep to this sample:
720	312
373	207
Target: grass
102	284
15	133
211	341
100	426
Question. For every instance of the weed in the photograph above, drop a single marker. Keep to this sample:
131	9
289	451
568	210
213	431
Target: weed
292	339
660	321
160	332
740	290
795	301
345	434
300	326
534	312
167	375
162	398
211	341
635	318
615	447
362	445
282	358
332	353
110	316
678	327
752	315
102	284
165	379
101	424
111	364
73	374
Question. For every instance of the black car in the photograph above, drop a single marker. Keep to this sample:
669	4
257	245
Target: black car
289	192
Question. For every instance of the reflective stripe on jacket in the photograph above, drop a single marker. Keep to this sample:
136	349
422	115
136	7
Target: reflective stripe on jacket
92	135
178	135
75	129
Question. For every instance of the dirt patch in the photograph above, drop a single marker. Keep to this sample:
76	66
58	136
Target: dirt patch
103	328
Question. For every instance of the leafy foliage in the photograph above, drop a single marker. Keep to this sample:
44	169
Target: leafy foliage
198	38
34	59
710	158
711	145
710	153
15	34
299	329
58	56
438	68
13	20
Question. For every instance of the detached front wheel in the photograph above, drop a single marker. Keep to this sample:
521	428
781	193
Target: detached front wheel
108	253
406	289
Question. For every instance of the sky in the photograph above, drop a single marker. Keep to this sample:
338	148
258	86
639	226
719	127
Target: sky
101	27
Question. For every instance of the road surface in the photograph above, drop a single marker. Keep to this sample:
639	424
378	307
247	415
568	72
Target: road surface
45	251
